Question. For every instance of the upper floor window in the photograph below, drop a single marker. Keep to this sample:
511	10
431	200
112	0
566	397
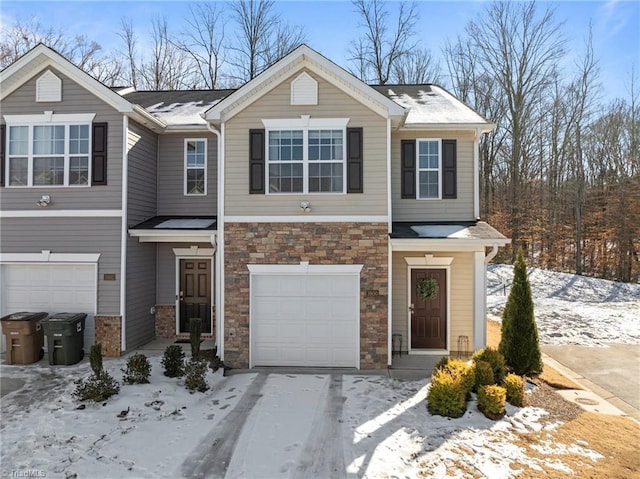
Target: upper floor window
195	166
309	158
48	153
429	166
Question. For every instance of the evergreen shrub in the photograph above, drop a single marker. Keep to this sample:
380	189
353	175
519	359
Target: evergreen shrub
483	375
492	401
138	370
495	359
195	372
173	361
447	394
515	387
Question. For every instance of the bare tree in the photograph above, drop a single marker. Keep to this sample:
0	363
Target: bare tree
261	39
203	42
128	36
378	52
417	67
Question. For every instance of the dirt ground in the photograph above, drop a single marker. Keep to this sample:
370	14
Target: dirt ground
614	437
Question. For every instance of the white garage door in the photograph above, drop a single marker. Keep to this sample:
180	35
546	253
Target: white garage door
305	320
54	288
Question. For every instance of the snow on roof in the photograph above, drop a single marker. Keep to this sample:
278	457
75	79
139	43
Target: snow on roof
189	223
181	113
431	104
442	231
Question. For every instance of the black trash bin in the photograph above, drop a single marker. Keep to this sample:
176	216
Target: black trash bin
24	337
65	337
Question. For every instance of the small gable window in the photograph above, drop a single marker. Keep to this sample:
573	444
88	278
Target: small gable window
195	166
304	90
48	88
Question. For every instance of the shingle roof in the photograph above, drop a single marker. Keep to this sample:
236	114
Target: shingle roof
451	230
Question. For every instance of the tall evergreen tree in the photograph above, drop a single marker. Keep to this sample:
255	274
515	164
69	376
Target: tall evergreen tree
519	344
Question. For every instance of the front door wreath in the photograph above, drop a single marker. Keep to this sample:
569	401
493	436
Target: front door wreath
427	288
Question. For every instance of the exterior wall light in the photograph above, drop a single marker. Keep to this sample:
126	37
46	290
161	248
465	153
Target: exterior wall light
305	206
44	200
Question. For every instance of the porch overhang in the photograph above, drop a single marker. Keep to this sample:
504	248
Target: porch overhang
441	237
176	229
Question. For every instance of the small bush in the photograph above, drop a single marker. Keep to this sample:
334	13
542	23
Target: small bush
195	330
446	396
496	359
483	376
463	370
138	370
173	361
514	385
95	359
194	375
444	360
492	401
98	388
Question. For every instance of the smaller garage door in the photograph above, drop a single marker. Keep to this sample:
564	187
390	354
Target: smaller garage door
53	288
305	320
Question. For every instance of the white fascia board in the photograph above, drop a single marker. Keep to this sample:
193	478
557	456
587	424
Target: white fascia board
49	257
187	129
484	127
305	121
443	244
305	268
303	57
49	117
171	236
63	65
51	213
145	118
306	219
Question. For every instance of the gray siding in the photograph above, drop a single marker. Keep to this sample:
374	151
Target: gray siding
460	209
333	103
75	99
71	235
141	257
171	197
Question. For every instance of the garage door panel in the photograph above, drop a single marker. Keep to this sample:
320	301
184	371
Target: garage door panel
305	320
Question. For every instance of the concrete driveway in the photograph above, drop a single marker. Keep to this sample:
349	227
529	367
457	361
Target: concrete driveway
612	372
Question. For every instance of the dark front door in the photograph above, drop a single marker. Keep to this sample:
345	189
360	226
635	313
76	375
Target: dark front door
429	316
195	293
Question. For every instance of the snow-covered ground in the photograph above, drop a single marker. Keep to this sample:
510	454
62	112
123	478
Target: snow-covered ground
572	309
306	426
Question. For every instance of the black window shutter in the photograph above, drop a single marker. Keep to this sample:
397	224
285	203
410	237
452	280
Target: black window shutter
99	154
408	161
3	139
354	161
449	170
256	162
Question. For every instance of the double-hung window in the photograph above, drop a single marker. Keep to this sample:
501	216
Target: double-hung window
48	150
306	158
429	169
195	166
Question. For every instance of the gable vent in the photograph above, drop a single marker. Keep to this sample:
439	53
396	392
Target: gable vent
48	87
304	90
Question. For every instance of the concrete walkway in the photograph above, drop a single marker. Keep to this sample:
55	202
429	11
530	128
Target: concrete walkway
613	373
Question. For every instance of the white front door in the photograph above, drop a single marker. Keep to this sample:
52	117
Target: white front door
309	319
53	288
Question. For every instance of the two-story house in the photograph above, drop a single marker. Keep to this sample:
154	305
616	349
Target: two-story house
308	218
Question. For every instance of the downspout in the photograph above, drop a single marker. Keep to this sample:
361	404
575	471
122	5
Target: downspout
123	239
389	251
492	254
480	328
219	250
476	174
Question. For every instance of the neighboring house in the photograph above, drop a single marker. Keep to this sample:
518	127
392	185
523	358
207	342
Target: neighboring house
297	215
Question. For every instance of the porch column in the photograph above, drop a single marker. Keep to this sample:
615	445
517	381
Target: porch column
479	301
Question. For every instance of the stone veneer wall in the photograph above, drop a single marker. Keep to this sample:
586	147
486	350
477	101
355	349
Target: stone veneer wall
108	333
317	243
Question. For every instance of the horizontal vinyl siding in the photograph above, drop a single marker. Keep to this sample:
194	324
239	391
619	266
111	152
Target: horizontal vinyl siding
141	292
142	159
332	103
459	209
171	197
461	296
71	235
75	99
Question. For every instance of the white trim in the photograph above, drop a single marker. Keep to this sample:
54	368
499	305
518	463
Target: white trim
429	262
438	141
201	254
305	121
171	236
389	251
48	117
304	268
47	213
185	167
46	256
444	244
54	94
194	252
220	280
309	218
123	234
476	173
479	299
485	127
310	92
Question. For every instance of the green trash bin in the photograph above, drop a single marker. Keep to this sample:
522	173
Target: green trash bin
65	337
